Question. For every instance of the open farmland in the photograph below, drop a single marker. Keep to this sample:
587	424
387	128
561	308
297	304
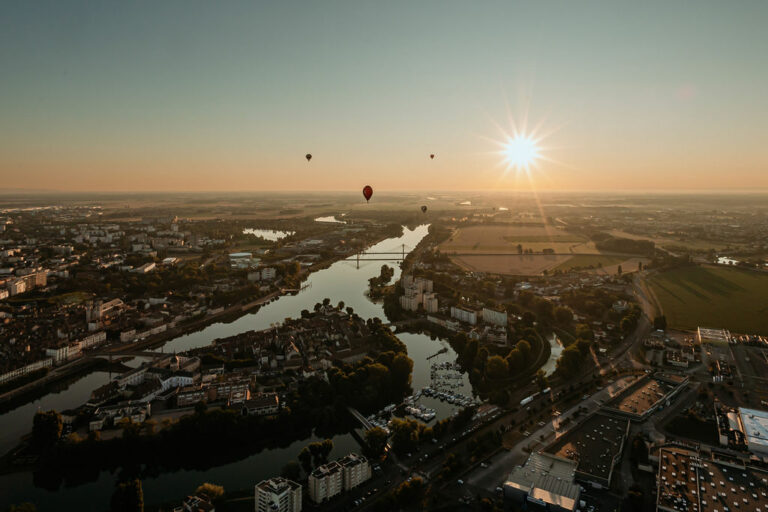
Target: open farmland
711	296
496	249
504	239
667	242
512	264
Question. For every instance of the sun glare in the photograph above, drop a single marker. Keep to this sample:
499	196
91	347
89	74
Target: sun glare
521	152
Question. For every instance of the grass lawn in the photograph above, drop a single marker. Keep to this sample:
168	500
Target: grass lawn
709	296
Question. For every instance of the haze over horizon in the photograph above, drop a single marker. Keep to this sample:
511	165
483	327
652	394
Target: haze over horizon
188	96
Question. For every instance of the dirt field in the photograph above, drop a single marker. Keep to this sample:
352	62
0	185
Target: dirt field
505	239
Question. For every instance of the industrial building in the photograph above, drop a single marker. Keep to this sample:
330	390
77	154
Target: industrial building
545	480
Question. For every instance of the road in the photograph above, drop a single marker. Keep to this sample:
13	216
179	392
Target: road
502	464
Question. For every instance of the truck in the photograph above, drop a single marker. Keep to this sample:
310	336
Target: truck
545	391
526	400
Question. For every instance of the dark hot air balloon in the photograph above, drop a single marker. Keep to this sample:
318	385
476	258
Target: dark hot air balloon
308	157
432	156
424	209
367	192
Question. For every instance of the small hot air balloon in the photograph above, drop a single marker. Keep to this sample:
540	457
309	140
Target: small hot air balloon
367	192
432	156
424	209
308	157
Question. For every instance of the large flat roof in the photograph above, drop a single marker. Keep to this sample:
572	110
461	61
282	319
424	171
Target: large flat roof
547	479
593	444
688	482
755	427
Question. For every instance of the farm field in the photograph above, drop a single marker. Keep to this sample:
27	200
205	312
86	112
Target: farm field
584	261
505	239
512	264
691	244
711	296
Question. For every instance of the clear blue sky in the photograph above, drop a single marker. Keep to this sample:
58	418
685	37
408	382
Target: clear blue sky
180	95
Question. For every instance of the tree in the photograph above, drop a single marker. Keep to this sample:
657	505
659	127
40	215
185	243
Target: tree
541	380
213	491
496	368
128	497
376	439
618	271
291	471
660	322
305	457
525	350
563	315
46	429
584	331
405	434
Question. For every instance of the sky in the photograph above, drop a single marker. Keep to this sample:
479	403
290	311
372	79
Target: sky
198	95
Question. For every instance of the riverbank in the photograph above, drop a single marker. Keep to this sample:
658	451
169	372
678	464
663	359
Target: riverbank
227	315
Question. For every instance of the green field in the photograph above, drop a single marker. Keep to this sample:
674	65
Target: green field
714	297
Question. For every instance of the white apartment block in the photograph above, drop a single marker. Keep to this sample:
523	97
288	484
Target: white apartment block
325	482
64	353
418	284
277	495
491	316
410	302
93	340
464	315
355	470
412	299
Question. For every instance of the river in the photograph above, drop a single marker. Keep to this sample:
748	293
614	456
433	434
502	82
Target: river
342	281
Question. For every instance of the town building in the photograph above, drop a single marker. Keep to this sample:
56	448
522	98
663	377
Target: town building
545	480
491	316
277	495
754	425
325	482
263	404
464	315
692	480
355	470
343	474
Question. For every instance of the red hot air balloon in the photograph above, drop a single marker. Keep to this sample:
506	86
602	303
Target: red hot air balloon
308	157
424	209
367	192
432	156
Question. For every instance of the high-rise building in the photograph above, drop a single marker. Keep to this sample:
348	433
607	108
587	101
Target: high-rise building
325	482
277	495
464	315
355	470
491	316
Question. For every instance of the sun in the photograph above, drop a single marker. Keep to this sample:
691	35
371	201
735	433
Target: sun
521	152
